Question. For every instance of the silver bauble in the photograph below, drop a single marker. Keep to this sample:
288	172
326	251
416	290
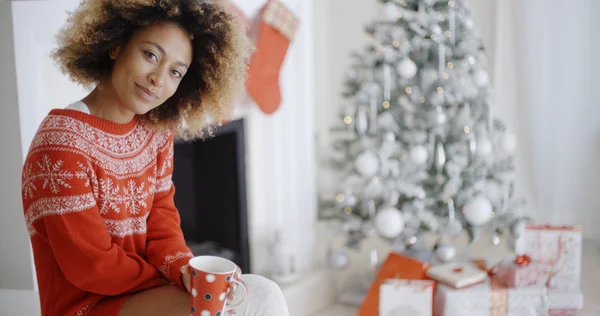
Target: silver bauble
495	240
445	252
338	259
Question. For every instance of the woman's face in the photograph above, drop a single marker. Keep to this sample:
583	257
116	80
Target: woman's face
149	68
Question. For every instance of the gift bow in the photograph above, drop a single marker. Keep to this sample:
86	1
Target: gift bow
499	296
523	260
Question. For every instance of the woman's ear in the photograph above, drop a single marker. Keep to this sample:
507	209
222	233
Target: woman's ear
114	52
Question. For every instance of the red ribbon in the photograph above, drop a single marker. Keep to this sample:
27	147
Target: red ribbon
523	260
499	295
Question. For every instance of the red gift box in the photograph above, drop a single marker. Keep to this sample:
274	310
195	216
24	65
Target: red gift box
521	272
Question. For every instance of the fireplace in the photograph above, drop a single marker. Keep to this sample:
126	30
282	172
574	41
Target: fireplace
210	194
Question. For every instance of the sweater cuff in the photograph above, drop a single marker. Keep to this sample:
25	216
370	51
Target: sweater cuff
175	263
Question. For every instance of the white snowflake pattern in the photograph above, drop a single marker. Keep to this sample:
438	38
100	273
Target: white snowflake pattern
167	162
54	176
28	185
152	184
135	196
110	197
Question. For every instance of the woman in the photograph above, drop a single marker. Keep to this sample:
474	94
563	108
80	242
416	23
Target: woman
97	189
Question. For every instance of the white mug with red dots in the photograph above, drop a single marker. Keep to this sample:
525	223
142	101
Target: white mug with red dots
210	280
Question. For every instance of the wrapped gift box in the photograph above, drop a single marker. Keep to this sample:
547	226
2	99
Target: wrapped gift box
395	266
457	275
521	272
559	247
490	298
406	297
565	302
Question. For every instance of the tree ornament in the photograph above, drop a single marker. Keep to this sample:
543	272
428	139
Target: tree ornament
338	259
391	12
481	78
390	137
484	147
439	155
407	68
362	123
389	222
367	164
478	211
419	154
445	251
495	239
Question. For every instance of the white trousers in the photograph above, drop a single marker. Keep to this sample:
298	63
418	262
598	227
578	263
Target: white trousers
264	298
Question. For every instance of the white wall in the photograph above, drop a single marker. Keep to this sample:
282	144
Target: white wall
15	258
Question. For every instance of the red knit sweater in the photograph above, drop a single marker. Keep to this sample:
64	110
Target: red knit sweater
98	201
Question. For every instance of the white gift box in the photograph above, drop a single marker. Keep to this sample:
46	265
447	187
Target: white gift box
560	248
483	300
398	297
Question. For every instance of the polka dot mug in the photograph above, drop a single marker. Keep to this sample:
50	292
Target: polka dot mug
210	280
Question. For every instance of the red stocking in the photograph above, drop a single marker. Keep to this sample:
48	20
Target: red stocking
276	28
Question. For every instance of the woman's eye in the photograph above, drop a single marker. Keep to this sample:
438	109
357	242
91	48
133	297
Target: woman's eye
177	74
151	55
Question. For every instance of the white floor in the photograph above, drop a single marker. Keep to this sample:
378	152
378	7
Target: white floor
590	276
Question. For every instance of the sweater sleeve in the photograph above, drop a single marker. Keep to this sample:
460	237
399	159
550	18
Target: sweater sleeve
61	208
165	247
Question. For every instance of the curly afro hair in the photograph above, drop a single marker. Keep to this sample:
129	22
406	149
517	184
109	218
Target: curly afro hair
216	76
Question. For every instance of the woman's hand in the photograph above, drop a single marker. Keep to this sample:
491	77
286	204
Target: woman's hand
185	280
232	286
185	277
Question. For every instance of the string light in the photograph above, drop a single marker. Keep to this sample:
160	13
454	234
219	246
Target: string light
408	90
381	48
467	130
442	18
404	40
450	65
448	33
386	104
375	179
446	75
347	120
403	3
451	4
493	214
433	37
422	99
348	211
396	44
440	90
399	15
340	198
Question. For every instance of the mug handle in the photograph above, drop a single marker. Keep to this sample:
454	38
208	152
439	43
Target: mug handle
229	306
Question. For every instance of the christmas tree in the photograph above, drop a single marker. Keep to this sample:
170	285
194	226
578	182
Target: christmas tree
417	148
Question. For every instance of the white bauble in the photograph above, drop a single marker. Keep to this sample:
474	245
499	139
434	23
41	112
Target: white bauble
484	147
508	143
481	78
389	222
391	11
338	259
367	164
478	211
407	68
419	154
468	23
493	190
436	29
445	252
